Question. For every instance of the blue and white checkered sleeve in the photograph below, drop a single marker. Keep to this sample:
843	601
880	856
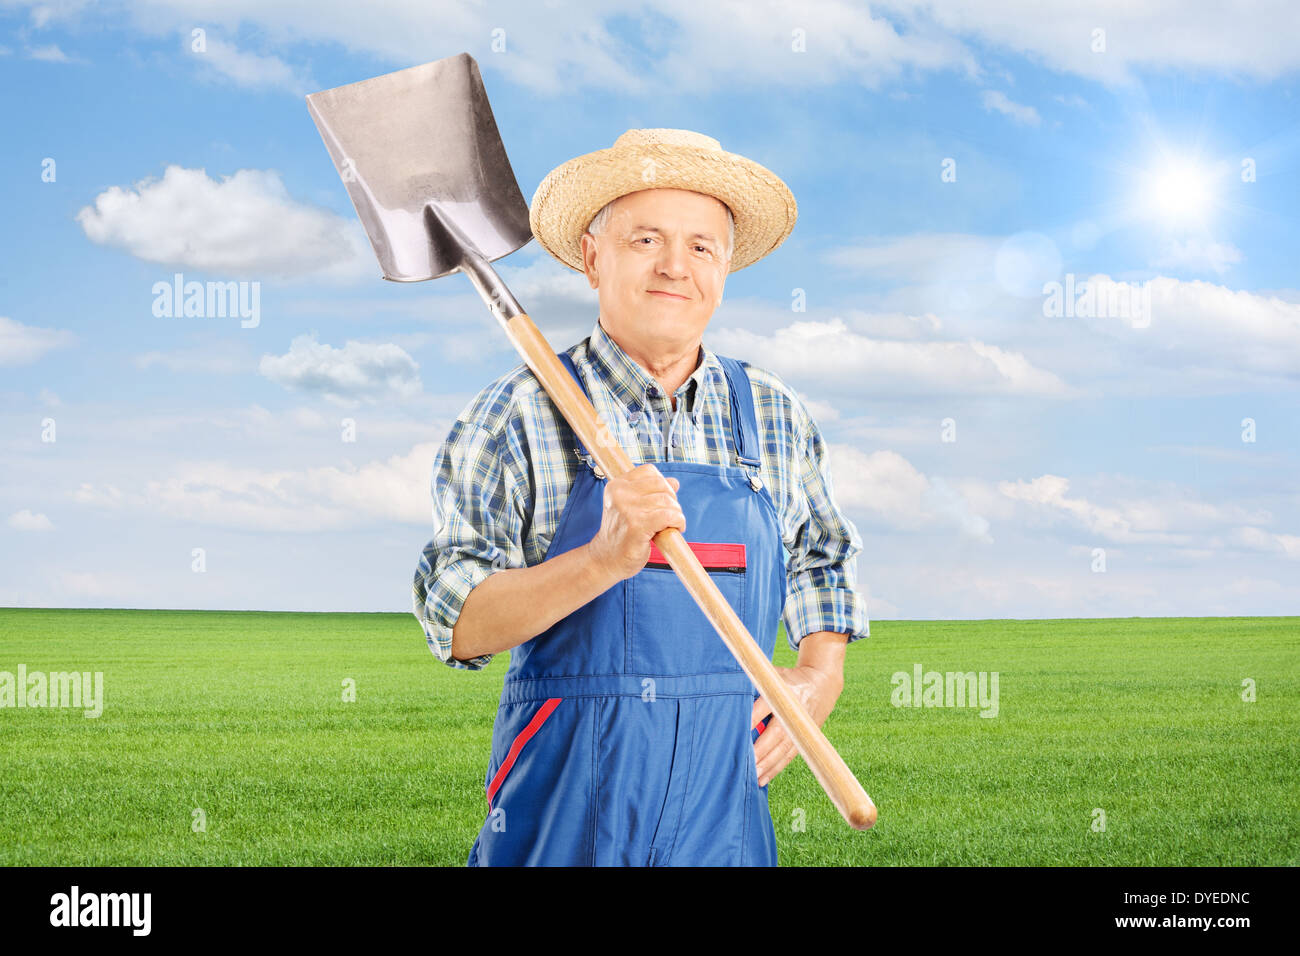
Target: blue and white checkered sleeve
478	531
821	573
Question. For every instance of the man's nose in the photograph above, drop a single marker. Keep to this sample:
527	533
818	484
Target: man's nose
672	260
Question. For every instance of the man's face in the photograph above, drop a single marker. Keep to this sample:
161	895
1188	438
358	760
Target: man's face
657	242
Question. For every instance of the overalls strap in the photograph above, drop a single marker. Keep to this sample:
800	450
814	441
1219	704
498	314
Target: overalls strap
744	422
568	363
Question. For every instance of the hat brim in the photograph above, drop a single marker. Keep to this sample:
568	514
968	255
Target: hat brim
571	194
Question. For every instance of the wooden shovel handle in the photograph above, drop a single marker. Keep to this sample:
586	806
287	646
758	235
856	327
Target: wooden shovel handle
826	764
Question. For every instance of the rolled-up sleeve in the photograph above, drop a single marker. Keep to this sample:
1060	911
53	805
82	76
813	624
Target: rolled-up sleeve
477	531
821	571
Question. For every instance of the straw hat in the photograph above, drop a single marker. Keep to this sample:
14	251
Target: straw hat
572	193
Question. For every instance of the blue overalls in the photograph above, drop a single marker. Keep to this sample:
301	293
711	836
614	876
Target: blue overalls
623	735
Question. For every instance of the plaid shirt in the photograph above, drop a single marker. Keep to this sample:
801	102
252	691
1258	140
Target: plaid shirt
501	478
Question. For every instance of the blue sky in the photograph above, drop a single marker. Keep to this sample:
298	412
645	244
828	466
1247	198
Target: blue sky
1154	156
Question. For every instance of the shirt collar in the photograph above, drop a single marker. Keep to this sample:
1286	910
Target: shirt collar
635	388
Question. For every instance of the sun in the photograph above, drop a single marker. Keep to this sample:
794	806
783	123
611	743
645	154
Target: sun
1179	192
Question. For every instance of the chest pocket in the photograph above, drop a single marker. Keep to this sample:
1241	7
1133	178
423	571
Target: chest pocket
666	632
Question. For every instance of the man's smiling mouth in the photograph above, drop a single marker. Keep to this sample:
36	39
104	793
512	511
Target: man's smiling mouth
672	295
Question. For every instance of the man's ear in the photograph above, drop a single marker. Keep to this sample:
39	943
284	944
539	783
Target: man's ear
589	259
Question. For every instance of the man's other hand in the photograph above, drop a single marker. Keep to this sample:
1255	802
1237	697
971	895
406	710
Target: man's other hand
818	691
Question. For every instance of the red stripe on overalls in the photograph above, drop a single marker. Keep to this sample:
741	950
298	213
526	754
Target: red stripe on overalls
521	738
712	554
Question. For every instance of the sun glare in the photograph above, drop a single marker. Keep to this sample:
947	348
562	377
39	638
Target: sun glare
1179	193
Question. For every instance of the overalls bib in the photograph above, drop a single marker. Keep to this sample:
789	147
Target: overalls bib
623	734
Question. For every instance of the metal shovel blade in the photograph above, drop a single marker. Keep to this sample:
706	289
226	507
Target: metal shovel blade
421	146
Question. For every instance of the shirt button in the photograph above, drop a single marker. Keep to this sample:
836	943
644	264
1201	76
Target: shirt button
652	392
673	441
633	416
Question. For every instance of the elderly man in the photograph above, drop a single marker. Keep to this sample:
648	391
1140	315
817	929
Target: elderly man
627	734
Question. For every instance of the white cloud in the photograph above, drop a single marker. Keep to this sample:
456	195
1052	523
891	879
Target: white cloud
49	53
306	500
844	40
1157	513
997	100
216	360
1257	539
1167	542
357	372
251	70
822	412
1198	255
25	520
1049	493
459	346
42	13
550	53
830	354
100	584
1074	99
155	437
887	488
23	344
1232	333
964	266
243	224
105	497
922	257
1164	336
1246	455
544	277
1211	36
878	609
896	325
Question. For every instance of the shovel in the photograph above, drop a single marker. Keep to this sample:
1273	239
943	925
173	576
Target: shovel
422	159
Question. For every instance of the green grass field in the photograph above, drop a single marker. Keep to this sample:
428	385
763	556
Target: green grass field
240	714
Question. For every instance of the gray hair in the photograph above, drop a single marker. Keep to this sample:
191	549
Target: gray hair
601	219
